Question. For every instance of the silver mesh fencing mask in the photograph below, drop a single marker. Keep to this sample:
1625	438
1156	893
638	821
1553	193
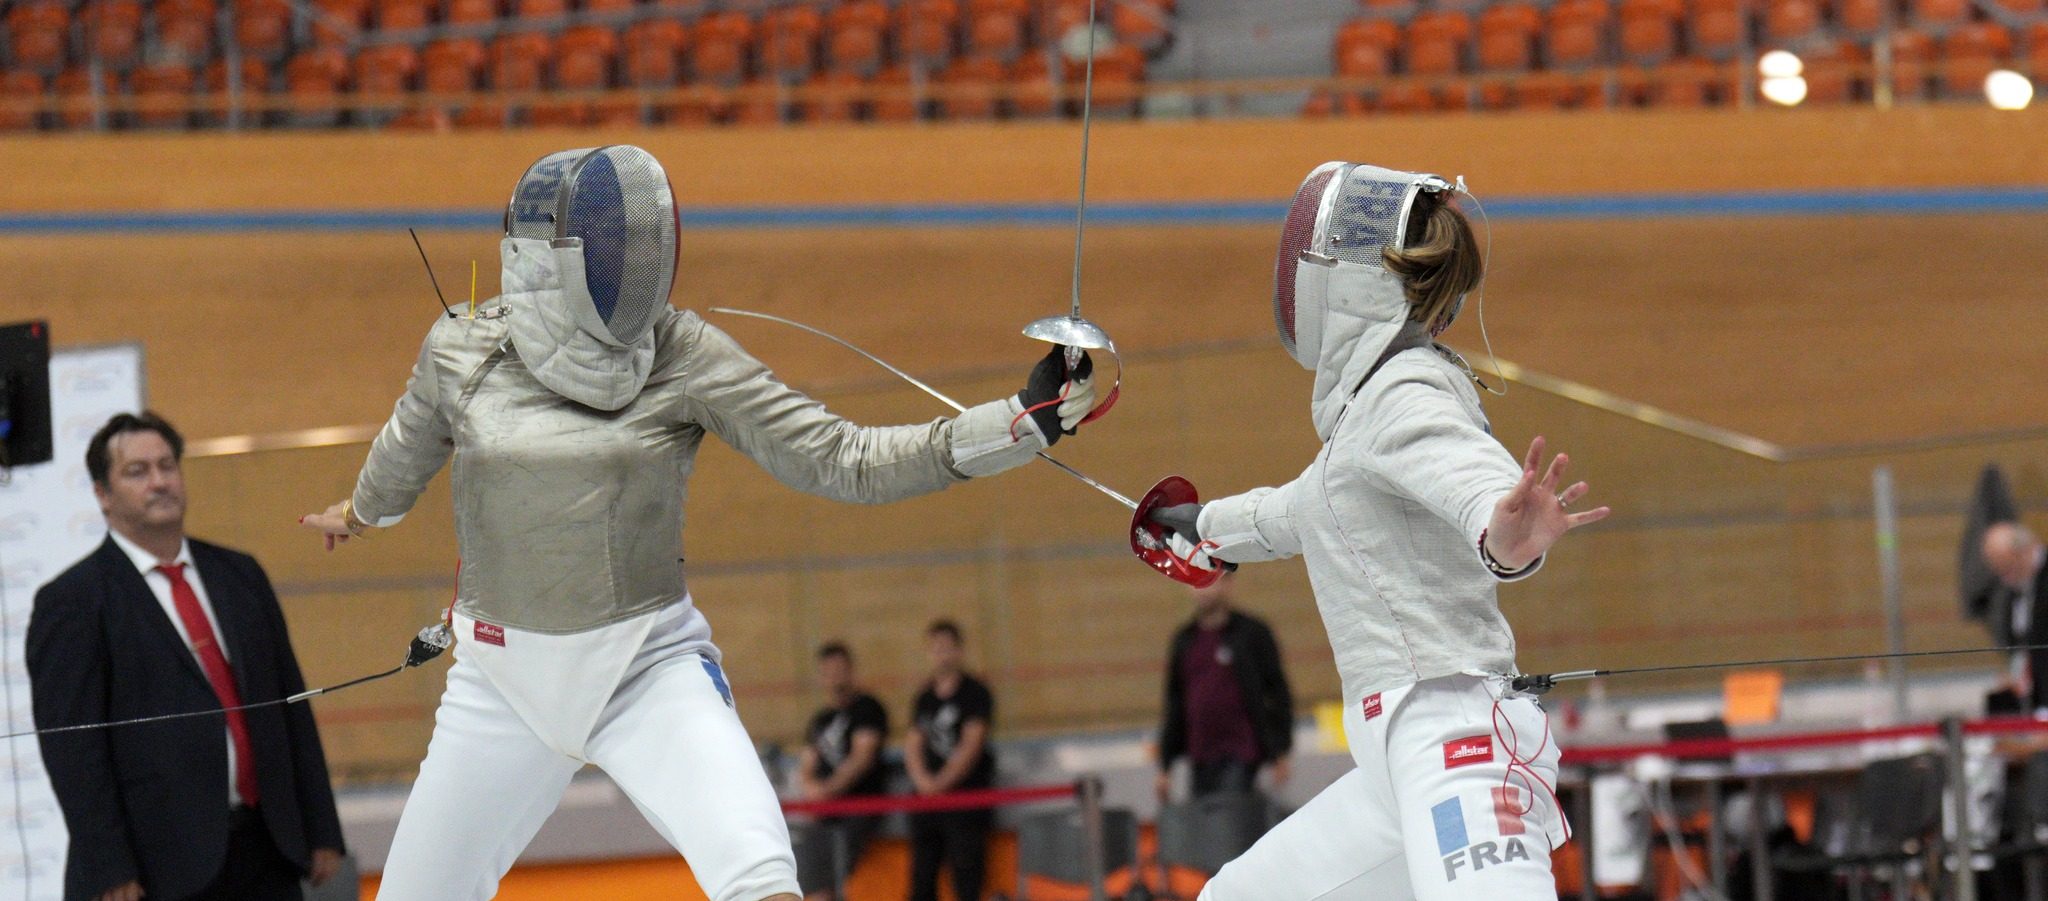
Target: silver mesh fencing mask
1343	213
618	203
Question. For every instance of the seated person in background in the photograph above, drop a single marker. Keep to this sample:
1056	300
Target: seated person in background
842	757
2013	552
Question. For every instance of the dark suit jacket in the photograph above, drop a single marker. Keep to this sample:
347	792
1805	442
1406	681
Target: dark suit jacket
150	802
1261	681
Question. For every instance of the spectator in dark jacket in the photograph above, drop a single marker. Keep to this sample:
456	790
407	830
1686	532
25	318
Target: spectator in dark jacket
1228	709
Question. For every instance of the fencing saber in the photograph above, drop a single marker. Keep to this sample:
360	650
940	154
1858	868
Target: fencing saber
1539	683
957	406
1072	331
426	646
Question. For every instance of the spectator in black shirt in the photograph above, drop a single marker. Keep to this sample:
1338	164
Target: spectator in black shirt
842	757
1228	708
947	750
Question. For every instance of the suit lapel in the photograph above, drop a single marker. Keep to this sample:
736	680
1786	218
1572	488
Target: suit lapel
127	588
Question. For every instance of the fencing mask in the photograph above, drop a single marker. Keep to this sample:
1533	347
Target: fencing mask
1344	214
589	256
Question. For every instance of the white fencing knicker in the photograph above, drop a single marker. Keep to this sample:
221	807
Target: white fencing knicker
1452	801
640	699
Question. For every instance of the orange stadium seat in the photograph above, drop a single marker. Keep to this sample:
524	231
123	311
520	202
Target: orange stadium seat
384	71
717	62
184	28
854	48
1716	28
788	43
651	66
113	30
547	11
998	36
263	28
446	68
1574	35
1507	37
1789	22
598	40
1119	71
1688	83
2025	9
1057	17
1934	16
312	84
467	53
35	34
75	84
1434	49
871	14
403	15
255	78
337	23
1912	63
1969	54
608	8
469	12
20	90
725	26
1649	29
575	71
1141	24
1365	50
924	32
894	101
1018	8
1829	71
969	88
2037	50
1859	18
1033	95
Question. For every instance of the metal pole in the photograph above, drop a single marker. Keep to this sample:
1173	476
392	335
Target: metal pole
1717	853
1952	753
1091	837
1886	504
1761	868
1589	888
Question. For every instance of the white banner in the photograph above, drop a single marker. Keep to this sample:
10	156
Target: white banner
48	521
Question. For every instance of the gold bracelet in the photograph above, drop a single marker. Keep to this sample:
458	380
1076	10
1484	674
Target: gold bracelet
355	525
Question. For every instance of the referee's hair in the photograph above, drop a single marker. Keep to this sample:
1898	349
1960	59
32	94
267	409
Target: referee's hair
945	627
832	649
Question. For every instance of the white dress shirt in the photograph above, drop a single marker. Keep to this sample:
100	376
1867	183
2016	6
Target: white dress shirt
160	585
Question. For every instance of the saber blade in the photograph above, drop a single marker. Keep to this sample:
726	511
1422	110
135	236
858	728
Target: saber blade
921	386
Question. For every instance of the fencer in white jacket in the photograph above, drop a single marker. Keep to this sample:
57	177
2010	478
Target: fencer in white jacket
1406	519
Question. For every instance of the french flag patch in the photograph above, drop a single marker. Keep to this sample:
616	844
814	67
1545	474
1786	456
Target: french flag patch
489	634
1372	706
1468	751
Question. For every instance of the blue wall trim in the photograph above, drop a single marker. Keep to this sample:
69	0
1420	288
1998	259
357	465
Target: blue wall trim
1049	215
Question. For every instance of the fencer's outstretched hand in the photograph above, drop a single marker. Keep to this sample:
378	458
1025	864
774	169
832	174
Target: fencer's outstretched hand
1055	399
1534	515
332	523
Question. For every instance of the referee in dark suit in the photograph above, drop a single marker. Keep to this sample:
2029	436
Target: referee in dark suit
234	807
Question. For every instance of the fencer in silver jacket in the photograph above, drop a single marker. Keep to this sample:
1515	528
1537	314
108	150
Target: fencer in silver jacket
569	517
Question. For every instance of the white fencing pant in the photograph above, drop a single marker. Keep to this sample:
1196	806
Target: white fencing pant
1432	812
518	720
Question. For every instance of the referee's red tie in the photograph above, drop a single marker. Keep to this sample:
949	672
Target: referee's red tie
207	646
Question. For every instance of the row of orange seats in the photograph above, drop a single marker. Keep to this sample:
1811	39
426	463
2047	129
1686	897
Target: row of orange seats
1577	34
1860	18
312	83
786	39
1923	67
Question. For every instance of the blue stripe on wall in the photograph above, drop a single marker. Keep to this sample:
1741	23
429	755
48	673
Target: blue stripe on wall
1055	215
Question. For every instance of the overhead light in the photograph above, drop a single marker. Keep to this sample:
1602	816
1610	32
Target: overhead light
2007	89
1780	64
1785	90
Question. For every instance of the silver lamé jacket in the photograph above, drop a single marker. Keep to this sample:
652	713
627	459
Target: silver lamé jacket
569	517
1388	515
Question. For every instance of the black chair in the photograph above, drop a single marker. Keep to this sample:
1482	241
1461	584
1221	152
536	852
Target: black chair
1897	821
1208	832
2028	826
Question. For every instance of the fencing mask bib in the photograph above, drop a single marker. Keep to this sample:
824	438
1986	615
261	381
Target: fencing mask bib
589	256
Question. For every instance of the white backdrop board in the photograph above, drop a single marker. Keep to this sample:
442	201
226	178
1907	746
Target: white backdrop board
48	521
